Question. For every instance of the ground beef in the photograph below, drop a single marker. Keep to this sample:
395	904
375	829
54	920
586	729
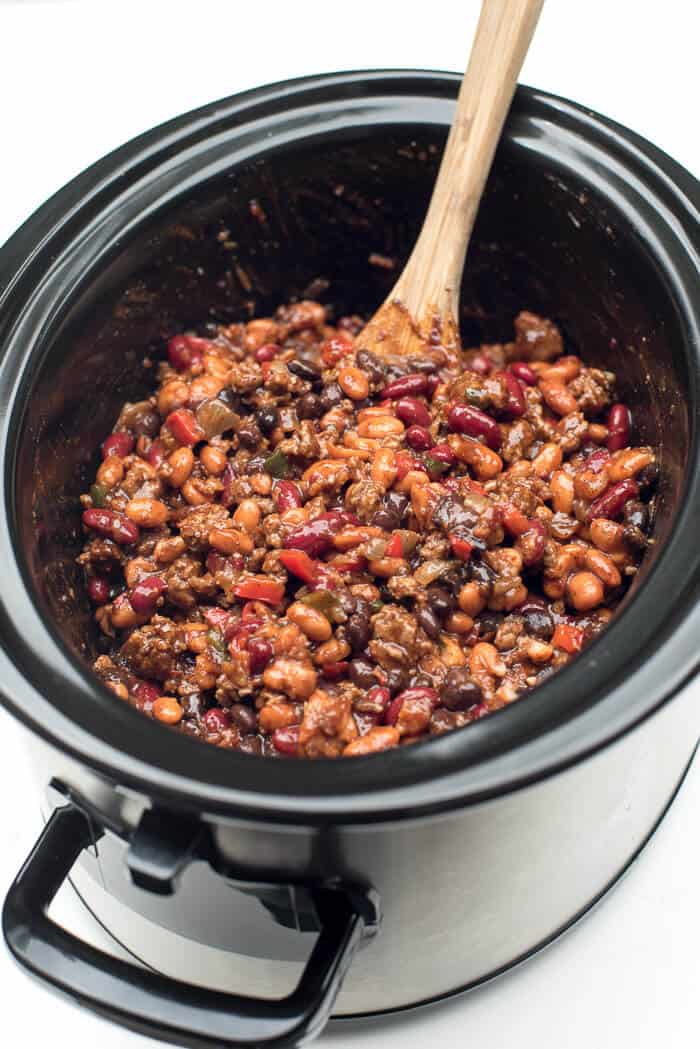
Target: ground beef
294	549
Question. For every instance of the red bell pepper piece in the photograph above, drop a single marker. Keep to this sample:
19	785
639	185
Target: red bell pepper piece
568	637
461	548
259	588
394	548
184	426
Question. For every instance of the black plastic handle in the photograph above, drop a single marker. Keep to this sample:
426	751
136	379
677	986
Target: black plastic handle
156	1005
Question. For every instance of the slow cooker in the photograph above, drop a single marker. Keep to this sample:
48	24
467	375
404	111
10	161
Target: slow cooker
258	897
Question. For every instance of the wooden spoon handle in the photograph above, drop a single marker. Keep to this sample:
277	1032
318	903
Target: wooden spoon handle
432	277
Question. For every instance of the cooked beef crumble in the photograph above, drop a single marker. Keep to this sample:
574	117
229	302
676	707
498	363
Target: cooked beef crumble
299	549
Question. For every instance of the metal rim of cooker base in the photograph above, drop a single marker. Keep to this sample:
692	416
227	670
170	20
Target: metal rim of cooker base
549	941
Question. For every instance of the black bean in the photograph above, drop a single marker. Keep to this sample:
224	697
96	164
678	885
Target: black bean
395	501
634	537
303	370
244	718
193	705
331	396
267	418
454	579
249	435
481	573
429	622
230	398
309	406
255	465
538	622
636	515
390	514
358	632
648	476
371	365
421	364
385	519
489	623
148	424
251	745
397	679
460	691
441	601
362	673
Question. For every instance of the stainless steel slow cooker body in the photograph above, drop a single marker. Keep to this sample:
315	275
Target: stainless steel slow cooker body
447	861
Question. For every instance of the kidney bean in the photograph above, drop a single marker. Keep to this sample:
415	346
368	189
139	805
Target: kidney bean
186	350
156	453
480	364
406	385
316	537
334	671
619	426
184	426
112	525
418	438
611	503
267	352
146	694
597	460
98	590
287	496
516	405
144	596
524	372
286	740
443	454
217	720
379	698
463	418
412	412
391	715
120	443
260	652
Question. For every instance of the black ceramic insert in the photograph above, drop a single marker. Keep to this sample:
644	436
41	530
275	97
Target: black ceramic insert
582	221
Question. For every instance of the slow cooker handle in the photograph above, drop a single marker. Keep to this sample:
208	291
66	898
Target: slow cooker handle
156	1005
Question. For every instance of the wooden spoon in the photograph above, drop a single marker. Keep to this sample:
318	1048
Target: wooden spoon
422	310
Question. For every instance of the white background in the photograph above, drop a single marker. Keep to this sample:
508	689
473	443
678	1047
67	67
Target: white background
77	79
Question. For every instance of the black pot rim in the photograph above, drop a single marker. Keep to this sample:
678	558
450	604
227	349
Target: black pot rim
610	688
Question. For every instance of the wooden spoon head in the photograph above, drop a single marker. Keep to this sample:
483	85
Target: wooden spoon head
393	332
